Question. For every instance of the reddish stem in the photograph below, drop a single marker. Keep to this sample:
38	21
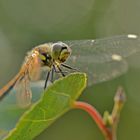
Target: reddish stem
95	115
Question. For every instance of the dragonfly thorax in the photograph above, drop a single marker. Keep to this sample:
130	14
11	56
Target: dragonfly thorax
48	61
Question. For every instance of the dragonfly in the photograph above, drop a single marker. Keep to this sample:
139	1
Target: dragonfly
101	59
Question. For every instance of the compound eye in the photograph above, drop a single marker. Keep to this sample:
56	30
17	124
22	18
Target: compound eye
57	47
56	50
60	52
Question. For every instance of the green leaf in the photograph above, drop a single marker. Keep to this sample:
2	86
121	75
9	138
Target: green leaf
56	100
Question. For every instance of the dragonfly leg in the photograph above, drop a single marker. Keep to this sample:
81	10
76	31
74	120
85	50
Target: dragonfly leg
52	73
54	68
62	73
47	78
69	67
58	71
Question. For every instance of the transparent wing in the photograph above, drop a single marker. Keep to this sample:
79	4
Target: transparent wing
31	69
34	67
23	92
103	59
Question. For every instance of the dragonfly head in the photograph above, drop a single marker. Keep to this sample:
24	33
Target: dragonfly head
60	52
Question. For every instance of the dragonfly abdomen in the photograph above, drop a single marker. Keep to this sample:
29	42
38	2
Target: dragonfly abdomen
8	87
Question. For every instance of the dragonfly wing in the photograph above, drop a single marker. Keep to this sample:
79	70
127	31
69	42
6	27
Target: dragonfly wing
23	94
103	59
34	68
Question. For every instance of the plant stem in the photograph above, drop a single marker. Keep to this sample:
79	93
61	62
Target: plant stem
119	101
96	117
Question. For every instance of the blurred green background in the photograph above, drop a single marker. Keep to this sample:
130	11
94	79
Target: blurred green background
24	24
